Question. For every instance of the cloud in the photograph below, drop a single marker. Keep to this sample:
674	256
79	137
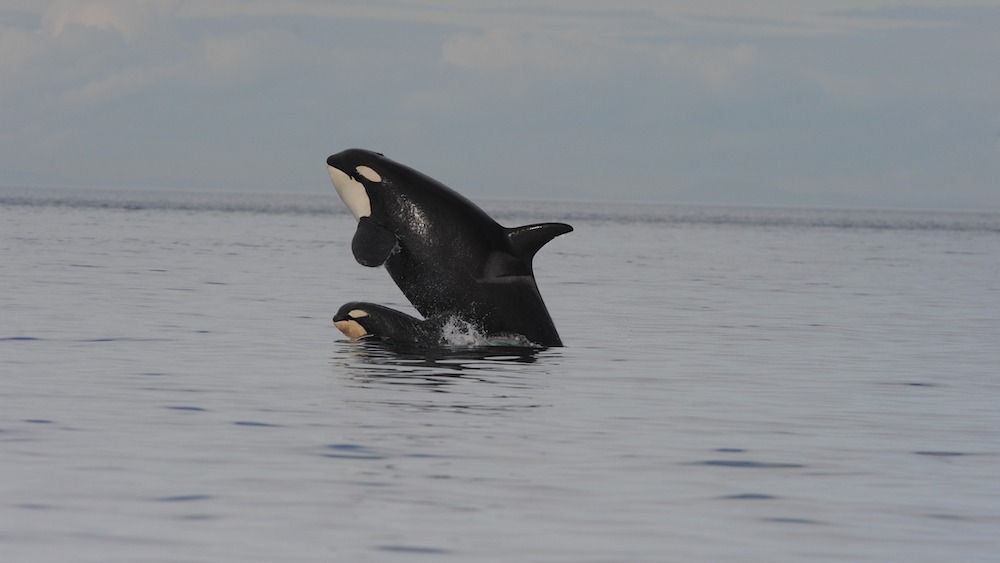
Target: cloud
121	83
90	52
503	50
554	40
130	18
717	67
561	56
17	47
702	95
215	62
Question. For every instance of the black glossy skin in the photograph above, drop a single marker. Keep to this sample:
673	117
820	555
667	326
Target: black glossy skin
383	323
451	257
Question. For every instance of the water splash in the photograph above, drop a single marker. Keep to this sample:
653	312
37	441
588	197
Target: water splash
457	332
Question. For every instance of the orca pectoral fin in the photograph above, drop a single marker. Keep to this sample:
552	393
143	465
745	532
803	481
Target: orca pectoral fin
525	241
372	243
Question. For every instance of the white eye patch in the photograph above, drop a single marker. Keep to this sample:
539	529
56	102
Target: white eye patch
356	313
369	174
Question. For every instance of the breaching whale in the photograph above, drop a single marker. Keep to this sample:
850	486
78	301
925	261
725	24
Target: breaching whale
447	255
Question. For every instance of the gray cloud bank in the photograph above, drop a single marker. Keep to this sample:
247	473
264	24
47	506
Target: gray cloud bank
875	103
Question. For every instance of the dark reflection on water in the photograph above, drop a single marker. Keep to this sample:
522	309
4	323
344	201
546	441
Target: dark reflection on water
380	362
413	549
747	464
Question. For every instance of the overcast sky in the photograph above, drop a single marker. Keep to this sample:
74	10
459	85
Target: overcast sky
793	102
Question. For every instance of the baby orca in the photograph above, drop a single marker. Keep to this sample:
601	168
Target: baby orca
359	320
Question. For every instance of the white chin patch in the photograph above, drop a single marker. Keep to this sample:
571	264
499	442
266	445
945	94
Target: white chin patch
351	329
351	192
369	174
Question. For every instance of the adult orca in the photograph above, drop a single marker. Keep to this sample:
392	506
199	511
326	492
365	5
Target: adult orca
446	254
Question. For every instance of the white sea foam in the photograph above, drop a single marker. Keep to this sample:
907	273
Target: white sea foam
461	333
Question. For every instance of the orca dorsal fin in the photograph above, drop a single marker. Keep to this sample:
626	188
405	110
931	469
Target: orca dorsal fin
525	241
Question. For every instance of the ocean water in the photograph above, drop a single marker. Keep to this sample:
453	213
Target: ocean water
738	384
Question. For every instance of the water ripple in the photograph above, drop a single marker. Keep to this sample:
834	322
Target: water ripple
413	549
747	464
183	498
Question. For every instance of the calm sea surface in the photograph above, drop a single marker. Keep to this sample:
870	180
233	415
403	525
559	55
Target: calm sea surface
739	384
